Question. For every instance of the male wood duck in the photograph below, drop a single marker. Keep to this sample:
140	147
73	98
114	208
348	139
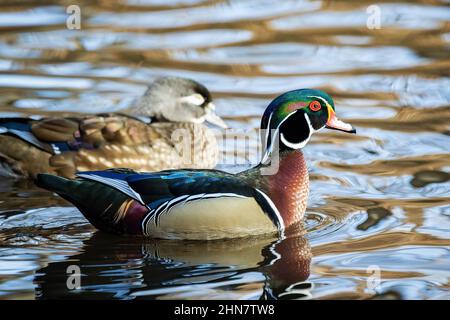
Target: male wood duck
211	204
139	138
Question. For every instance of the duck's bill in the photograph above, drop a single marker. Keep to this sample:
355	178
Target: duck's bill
213	118
335	124
216	120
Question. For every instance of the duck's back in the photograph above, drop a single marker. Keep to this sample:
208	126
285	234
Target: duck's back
64	146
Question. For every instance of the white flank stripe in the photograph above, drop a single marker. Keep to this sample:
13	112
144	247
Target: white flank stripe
274	208
145	222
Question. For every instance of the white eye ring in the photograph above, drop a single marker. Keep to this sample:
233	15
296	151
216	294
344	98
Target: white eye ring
195	98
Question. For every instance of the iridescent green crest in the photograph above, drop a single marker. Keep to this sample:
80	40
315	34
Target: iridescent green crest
291	101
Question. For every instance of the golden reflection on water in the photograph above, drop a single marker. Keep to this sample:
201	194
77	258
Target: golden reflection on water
377	198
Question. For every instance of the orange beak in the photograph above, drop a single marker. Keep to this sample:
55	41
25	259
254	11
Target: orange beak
336	124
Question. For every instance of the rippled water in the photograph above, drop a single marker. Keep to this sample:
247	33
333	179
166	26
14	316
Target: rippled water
379	200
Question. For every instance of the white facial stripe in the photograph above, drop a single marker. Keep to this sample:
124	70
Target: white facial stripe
268	128
311	129
287	143
322	99
269	149
195	98
326	103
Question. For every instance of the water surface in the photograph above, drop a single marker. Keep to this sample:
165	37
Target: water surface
379	200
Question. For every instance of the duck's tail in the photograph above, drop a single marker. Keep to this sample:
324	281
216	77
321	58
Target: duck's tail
98	202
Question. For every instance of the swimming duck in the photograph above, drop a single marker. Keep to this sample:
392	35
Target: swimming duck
212	204
141	137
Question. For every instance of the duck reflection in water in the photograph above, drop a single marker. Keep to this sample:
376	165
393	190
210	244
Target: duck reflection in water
136	268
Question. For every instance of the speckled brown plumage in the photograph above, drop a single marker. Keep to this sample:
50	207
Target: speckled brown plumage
110	141
21	159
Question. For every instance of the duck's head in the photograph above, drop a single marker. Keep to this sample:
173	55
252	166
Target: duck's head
177	99
295	115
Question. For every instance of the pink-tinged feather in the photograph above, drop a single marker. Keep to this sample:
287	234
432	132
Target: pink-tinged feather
289	188
296	105
133	217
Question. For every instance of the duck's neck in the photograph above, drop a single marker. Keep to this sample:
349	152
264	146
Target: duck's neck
288	187
146	106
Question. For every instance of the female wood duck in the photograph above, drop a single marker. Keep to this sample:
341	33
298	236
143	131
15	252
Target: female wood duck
140	138
211	204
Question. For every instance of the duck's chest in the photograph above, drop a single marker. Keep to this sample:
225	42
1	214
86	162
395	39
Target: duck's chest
289	187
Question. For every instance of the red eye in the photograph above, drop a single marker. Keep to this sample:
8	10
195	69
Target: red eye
315	106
